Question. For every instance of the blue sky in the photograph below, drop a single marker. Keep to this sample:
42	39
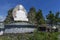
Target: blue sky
45	5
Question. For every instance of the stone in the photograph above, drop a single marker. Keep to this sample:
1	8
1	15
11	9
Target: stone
20	27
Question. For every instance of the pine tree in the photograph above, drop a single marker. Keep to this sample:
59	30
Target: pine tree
57	18
39	17
9	17
31	15
50	18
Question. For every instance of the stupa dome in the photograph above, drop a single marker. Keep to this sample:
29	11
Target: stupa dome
21	6
19	13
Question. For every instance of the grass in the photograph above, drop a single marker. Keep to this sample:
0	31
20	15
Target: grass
46	35
33	36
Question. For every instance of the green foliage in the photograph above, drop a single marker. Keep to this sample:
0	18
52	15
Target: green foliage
57	18
53	19
33	36
50	17
31	15
9	17
45	36
39	18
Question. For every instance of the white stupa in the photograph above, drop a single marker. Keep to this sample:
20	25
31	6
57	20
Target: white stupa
19	13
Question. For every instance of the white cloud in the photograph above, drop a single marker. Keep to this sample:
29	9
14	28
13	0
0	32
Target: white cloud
2	18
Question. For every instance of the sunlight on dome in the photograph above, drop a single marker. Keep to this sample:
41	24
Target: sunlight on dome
19	13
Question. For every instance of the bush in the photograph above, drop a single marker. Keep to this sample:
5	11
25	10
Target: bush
34	36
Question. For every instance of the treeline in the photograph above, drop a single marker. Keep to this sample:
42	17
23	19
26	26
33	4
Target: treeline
36	17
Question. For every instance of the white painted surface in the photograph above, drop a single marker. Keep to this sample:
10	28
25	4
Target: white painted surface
1	32
19	30
54	27
19	13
